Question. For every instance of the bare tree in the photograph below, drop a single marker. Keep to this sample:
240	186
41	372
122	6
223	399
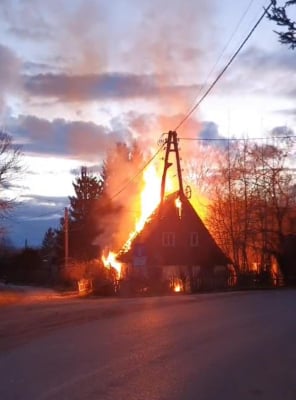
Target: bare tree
252	201
281	17
9	168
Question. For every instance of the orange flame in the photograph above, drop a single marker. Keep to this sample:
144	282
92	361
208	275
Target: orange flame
111	262
178	205
177	287
150	198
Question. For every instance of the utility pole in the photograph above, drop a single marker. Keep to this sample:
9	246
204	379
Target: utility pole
66	237
171	147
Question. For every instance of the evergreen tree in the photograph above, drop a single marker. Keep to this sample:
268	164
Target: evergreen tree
49	245
84	214
281	17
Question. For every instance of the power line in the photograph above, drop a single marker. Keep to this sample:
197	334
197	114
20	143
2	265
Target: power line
225	47
236	139
206	93
225	68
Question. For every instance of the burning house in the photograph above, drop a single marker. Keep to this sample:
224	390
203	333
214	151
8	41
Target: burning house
174	249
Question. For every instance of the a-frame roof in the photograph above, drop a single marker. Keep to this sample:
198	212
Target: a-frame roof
181	223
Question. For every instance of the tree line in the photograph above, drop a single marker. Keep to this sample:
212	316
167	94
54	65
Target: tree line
252	213
251	189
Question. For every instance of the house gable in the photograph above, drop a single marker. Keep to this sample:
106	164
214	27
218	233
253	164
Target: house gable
172	237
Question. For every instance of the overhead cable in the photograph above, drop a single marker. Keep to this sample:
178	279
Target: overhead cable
236	139
225	68
225	47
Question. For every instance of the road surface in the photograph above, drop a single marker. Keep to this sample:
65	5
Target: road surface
205	347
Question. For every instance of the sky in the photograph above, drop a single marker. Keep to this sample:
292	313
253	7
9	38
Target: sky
78	76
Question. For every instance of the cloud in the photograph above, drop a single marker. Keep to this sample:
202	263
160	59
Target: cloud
258	71
287	111
35	33
210	131
75	139
33	216
25	21
9	74
89	141
209	135
279	131
34	68
72	88
255	57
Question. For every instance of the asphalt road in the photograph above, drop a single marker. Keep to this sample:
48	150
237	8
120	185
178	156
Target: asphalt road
228	346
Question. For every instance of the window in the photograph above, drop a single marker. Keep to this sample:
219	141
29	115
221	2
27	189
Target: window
168	239
193	239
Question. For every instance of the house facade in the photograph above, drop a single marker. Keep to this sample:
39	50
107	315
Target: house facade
176	248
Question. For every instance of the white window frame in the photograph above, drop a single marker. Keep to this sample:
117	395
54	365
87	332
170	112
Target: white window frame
168	239
194	239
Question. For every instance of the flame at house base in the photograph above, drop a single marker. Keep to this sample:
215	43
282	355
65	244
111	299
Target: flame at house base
111	262
177	288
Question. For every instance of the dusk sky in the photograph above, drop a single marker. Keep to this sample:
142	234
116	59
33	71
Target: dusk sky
78	76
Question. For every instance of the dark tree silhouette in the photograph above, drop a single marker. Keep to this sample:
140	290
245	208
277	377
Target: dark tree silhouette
49	243
84	216
280	16
9	168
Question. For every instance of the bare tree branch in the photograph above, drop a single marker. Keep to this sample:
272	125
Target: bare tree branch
9	169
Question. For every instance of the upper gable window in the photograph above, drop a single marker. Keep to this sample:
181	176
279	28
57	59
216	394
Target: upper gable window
168	239
194	242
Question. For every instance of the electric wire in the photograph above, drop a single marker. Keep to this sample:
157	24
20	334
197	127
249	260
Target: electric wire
236	139
225	47
205	94
221	55
213	84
